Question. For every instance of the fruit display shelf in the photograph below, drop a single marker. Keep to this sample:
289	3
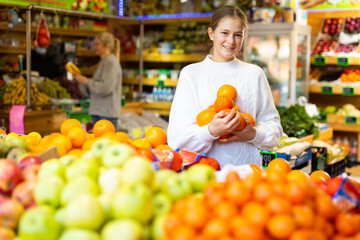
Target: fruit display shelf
43	122
344	89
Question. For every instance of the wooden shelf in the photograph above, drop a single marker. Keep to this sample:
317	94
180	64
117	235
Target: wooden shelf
325	136
337	89
87	71
54	31
162	108
174	58
177	20
12	50
157	57
85	53
150	82
130	57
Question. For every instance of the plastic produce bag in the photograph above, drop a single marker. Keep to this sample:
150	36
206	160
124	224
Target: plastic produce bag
42	34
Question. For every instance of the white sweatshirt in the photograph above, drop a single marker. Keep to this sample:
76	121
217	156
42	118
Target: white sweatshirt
196	90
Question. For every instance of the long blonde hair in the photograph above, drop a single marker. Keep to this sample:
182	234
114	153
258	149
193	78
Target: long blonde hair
227	11
107	39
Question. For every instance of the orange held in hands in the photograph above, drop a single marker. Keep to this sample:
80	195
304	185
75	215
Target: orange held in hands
156	136
103	126
227	91
222	103
205	117
252	120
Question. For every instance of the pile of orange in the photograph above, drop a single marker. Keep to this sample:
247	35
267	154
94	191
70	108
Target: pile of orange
225	101
278	203
155	137
74	140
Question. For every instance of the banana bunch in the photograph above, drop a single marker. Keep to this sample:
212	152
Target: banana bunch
16	94
72	68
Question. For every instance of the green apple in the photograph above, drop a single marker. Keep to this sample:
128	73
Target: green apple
15	154
124	229
134	202
200	175
110	180
117	154
47	191
38	223
138	170
77	187
106	201
157	227
59	217
14	141
51	167
89	154
162	203
79	234
68	159
84	212
146	232
88	167
99	147
177	187
160	178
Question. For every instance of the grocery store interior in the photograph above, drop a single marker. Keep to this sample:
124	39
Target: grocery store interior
308	49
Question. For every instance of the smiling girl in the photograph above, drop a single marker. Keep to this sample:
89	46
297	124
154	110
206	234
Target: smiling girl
197	88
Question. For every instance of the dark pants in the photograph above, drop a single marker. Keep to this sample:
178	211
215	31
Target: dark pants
97	118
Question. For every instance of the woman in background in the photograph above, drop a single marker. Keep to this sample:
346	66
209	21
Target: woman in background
104	88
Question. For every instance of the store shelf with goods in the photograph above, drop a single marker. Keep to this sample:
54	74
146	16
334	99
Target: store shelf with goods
317	60
150	82
352	128
282	50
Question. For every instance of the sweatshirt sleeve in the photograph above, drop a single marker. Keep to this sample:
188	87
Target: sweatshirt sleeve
84	90
104	82
183	132
268	126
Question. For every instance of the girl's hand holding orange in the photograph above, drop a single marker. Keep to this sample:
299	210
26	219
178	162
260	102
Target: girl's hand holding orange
224	122
246	134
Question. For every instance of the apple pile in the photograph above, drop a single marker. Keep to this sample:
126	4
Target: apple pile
332	26
108	193
352	25
324	45
17	182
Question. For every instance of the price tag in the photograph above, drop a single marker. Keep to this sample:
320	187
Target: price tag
323	117
342	61
161	82
350	120
16	119
136	133
348	91
319	60
267	157
327	90
85	104
67	107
